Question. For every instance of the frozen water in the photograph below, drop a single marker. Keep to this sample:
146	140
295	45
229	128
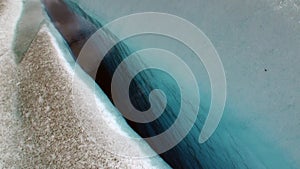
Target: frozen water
258	42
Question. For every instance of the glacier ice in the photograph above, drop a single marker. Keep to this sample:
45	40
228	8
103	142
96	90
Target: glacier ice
258	42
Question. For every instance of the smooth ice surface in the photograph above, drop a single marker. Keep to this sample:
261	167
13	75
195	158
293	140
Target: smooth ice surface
258	42
28	26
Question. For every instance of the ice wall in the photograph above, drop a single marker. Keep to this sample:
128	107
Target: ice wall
258	42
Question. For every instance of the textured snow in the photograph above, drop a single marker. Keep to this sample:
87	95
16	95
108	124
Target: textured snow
9	122
40	115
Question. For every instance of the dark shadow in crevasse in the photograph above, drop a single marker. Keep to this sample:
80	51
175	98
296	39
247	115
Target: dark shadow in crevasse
76	27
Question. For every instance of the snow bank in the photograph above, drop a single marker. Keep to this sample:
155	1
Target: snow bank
10	152
41	118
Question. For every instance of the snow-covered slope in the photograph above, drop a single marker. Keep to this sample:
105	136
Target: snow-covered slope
10	153
41	123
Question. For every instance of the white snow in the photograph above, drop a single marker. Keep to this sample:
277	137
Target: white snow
42	123
9	125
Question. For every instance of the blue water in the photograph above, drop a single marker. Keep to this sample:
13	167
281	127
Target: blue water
259	47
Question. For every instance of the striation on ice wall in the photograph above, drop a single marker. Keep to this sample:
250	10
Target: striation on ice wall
258	43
